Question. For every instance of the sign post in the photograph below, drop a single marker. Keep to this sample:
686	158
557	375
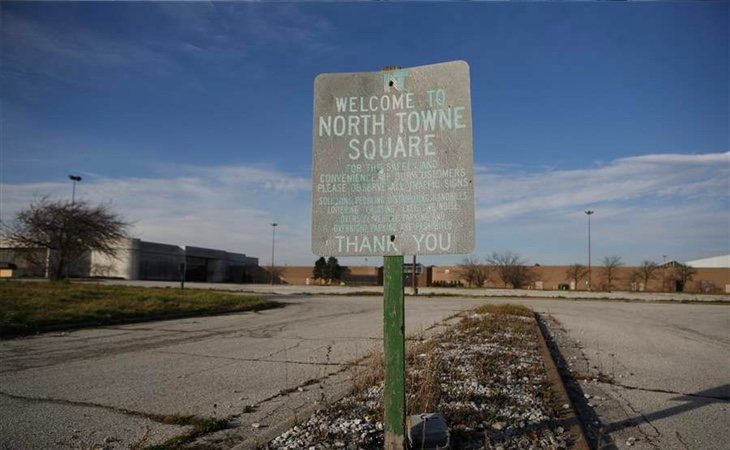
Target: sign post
392	175
394	346
414	277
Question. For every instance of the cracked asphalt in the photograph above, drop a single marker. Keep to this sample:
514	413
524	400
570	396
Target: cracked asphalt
666	365
651	376
107	385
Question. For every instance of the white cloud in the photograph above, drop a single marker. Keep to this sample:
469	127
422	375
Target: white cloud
646	207
221	207
505	195
268	178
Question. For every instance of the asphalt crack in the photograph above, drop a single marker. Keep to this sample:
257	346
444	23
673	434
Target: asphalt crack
637	413
312	381
169	337
722	398
286	349
262	360
59	401
681	440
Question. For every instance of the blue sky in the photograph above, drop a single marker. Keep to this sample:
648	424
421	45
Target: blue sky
195	120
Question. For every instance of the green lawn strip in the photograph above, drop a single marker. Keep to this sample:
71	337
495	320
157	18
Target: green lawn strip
28	307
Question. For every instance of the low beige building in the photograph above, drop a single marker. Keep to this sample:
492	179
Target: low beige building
143	260
664	279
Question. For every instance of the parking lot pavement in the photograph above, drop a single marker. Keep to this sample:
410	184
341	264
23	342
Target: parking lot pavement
669	363
665	367
117	383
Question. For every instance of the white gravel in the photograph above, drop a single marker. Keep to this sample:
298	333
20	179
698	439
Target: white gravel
486	377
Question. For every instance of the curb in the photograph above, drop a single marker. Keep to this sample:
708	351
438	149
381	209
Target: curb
569	419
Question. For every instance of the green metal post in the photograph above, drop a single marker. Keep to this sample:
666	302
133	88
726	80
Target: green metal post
394	346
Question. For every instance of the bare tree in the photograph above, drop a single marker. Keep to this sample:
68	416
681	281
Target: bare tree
512	269
666	276
576	272
646	272
276	274
683	274
473	271
101	270
68	230
610	270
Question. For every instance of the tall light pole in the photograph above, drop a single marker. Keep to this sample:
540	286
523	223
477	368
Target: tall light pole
589	213
75	179
273	240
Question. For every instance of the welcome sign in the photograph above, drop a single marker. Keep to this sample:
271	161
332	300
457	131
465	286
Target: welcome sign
393	162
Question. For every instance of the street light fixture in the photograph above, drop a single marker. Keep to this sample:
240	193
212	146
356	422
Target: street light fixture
589	213
273	240
75	179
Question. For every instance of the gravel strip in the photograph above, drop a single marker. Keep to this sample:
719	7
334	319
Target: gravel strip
485	375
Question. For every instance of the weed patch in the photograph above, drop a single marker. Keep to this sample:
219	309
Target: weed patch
201	426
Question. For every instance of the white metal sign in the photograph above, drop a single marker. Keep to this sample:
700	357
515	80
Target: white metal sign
393	162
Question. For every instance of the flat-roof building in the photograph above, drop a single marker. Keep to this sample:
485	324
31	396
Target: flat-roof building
714	262
136	259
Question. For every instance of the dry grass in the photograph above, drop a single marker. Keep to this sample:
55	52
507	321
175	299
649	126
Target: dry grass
423	381
30	306
485	375
433	383
426	366
371	374
508	309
